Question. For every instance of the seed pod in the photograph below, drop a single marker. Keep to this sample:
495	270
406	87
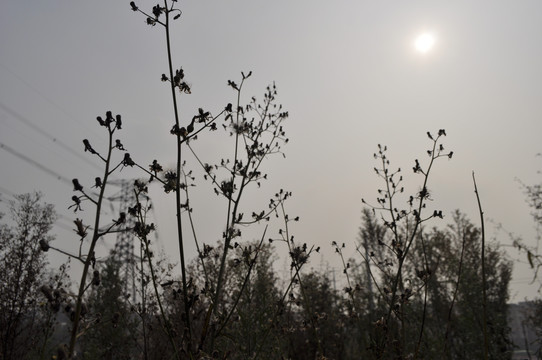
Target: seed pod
44	246
96	278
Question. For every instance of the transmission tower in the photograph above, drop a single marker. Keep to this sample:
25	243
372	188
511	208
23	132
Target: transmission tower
124	245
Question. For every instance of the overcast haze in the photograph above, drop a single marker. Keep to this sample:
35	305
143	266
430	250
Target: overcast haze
346	71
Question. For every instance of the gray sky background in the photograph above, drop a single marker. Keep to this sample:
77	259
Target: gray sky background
346	71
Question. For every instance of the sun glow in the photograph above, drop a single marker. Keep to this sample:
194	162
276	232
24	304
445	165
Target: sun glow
425	42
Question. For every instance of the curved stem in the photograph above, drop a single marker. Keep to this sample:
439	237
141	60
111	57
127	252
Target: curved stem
484	299
177	185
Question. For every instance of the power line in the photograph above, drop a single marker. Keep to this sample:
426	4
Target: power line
51	102
47	135
6	191
63	226
40	166
34	163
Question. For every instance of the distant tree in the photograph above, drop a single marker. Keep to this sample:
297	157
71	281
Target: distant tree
250	321
533	195
450	286
23	244
258	300
370	237
255	286
113	332
320	330
441	305
362	298
534	321
403	216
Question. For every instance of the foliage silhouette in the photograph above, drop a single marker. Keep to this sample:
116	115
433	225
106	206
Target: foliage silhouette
409	292
26	322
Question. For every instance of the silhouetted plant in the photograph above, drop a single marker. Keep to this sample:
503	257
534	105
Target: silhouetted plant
404	226
533	195
455	293
25	326
411	293
256	129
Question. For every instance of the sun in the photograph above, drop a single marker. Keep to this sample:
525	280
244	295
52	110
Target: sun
425	42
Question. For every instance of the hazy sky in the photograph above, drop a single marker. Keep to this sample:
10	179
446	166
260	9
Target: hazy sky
346	71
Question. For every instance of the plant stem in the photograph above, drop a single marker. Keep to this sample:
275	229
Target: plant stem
245	281
143	303
230	222
90	256
412	235
417	223
177	184
484	300
167	326
230	215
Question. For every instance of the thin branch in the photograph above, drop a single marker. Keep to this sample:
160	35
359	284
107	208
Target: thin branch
241	291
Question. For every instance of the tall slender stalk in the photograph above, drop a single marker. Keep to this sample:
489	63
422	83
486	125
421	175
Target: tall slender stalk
484	295
90	256
179	140
143	303
231	215
142	233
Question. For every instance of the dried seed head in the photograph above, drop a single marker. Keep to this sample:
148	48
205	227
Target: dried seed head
44	245
76	185
96	278
47	292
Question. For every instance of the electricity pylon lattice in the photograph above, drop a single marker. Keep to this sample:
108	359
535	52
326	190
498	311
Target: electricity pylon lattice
124	245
